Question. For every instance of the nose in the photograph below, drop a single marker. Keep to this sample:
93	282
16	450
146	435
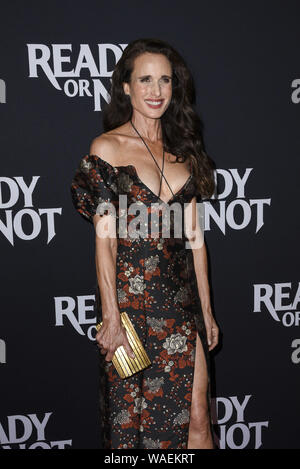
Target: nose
156	91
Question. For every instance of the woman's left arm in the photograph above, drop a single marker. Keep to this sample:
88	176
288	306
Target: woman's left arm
195	235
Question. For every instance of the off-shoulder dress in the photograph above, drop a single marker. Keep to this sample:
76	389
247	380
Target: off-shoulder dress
157	286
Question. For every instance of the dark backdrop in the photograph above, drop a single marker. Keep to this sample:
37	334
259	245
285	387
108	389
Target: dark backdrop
244	57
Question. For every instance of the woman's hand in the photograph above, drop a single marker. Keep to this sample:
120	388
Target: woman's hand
212	330
111	335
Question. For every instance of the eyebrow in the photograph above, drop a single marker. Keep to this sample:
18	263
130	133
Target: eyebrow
148	76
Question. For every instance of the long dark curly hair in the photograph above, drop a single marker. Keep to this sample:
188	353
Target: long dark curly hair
181	126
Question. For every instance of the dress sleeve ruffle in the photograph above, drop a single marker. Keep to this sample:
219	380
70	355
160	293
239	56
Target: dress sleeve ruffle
94	182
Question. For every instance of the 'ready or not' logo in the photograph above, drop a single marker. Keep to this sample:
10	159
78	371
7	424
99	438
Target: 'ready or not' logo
27	222
82	72
28	432
232	208
231	425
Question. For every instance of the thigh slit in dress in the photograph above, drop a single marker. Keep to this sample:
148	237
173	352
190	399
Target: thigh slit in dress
157	287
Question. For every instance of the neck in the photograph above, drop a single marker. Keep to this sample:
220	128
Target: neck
149	129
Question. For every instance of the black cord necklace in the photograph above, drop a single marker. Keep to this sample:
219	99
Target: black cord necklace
162	171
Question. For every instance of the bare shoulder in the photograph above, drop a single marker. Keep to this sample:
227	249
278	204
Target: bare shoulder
108	144
104	147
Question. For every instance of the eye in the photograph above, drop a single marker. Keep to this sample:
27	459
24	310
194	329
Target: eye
145	79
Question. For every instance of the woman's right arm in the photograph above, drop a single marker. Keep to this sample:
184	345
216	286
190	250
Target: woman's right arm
112	333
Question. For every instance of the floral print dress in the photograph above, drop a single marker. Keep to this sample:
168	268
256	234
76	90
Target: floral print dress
157	287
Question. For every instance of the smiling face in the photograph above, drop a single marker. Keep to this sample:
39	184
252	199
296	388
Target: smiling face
150	88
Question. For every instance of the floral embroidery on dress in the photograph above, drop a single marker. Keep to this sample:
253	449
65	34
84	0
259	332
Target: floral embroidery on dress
182	418
175	344
137	285
151	263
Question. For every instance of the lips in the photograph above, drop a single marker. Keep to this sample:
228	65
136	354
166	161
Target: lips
154	103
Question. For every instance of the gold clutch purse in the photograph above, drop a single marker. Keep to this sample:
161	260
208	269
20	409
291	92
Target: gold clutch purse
125	365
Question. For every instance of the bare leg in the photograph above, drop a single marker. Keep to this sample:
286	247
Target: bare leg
200	436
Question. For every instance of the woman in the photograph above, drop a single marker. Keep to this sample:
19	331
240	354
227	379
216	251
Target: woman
151	152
